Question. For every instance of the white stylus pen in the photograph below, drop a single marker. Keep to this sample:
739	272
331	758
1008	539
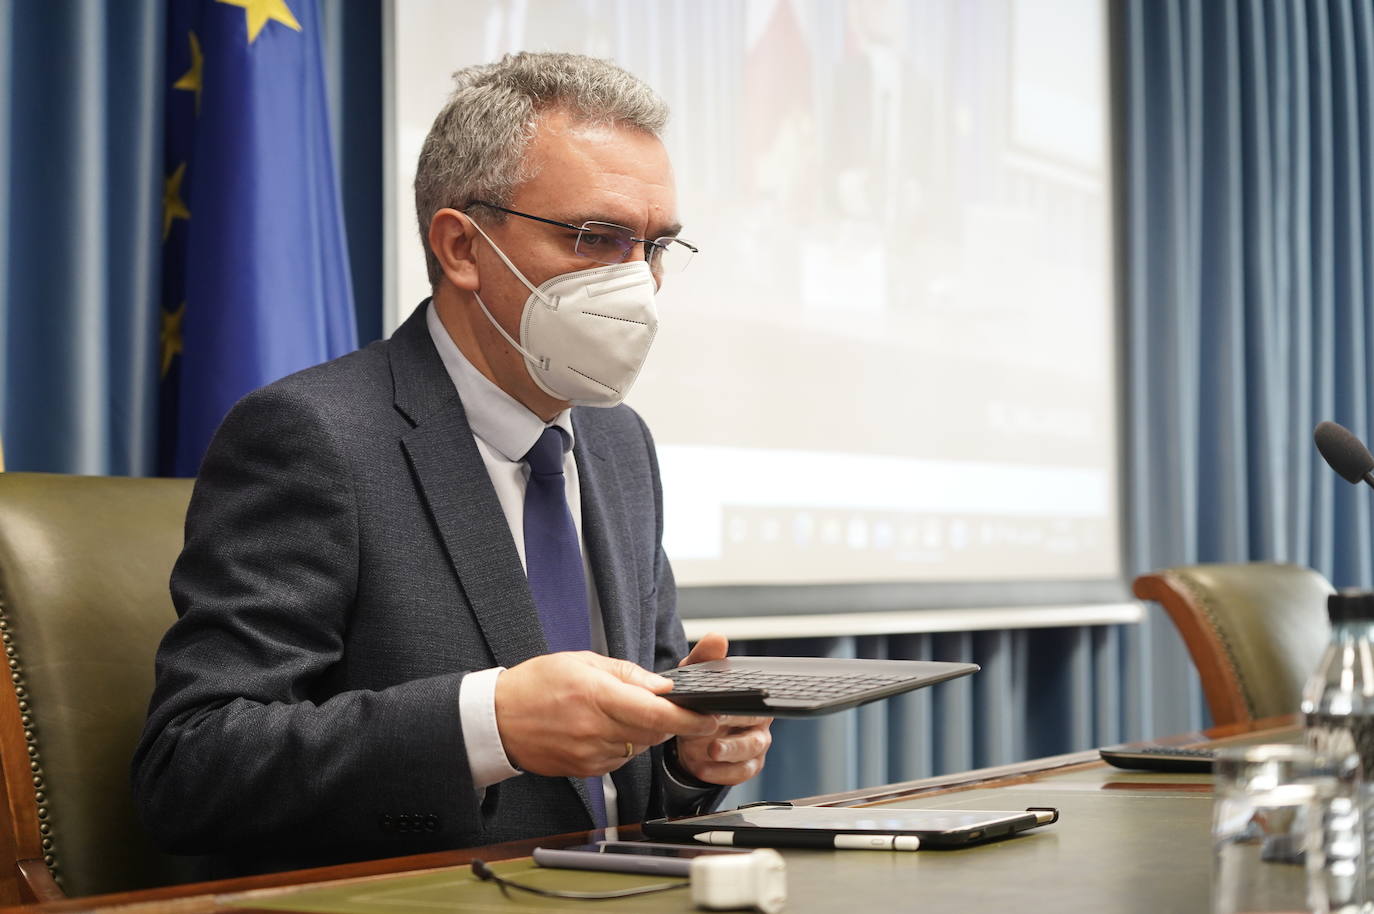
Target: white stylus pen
823	841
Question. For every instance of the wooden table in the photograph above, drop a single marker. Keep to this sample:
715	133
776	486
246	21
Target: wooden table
1126	842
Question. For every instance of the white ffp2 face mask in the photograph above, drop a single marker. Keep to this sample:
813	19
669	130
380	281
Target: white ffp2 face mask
585	335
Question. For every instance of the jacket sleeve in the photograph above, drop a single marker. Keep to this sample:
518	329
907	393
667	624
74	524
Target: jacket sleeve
244	745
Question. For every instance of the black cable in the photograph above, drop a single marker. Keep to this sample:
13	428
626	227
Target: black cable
487	874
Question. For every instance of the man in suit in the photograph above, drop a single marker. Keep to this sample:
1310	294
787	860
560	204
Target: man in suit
423	585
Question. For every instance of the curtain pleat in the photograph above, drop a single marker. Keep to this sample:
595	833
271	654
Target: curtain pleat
6	108
353	75
78	266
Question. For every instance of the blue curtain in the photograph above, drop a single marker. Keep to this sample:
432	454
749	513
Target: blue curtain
353	77
1250	170
80	134
81	119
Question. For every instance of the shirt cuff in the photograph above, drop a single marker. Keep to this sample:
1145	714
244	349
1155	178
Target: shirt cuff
481	737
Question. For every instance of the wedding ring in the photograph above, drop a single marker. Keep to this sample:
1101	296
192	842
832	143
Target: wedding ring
629	749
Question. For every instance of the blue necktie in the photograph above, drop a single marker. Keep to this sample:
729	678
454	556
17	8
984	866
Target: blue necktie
553	562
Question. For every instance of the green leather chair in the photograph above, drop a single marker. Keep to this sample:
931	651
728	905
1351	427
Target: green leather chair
1255	631
84	565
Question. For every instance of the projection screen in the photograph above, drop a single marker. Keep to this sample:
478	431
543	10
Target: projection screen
892	370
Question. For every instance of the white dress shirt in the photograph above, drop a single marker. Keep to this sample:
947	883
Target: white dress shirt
504	431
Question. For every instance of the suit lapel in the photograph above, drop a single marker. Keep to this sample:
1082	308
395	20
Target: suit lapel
454	483
611	555
609	550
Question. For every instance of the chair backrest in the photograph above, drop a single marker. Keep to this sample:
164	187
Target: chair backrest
84	602
1256	631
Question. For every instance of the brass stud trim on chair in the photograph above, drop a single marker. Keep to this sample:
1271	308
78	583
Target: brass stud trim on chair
1203	599
31	738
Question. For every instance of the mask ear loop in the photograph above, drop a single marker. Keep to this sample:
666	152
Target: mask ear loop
506	260
541	363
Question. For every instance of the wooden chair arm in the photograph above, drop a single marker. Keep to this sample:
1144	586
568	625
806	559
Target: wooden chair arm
36	883
1220	681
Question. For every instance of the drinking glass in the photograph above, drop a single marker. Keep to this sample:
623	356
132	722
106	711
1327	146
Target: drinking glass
1286	831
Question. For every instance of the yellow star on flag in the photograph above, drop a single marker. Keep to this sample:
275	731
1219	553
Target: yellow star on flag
193	79
257	12
171	336
173	207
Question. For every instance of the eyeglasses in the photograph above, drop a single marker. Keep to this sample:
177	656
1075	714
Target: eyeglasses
605	242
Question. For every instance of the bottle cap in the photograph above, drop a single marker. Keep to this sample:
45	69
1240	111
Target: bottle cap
1351	606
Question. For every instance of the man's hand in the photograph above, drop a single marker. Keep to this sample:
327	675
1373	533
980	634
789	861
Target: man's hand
733	752
573	713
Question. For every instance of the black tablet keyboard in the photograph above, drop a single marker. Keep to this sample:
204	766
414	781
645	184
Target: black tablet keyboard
778	685
1153	757
800	686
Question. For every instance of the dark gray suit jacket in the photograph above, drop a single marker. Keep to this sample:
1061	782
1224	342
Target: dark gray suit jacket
346	563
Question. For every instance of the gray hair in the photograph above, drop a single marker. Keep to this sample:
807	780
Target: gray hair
476	148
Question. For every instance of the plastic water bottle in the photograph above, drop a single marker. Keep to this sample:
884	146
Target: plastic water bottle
1338	701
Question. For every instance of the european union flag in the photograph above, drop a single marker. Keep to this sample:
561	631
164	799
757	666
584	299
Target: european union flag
255	269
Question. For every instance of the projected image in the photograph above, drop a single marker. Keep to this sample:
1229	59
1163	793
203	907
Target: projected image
893	358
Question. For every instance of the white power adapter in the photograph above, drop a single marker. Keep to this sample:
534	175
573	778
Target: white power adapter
724	882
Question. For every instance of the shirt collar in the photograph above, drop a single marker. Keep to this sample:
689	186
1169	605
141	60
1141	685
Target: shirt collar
494	415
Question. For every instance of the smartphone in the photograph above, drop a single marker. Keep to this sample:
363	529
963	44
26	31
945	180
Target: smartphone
629	857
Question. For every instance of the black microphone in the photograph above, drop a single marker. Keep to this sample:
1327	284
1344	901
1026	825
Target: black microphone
1345	453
